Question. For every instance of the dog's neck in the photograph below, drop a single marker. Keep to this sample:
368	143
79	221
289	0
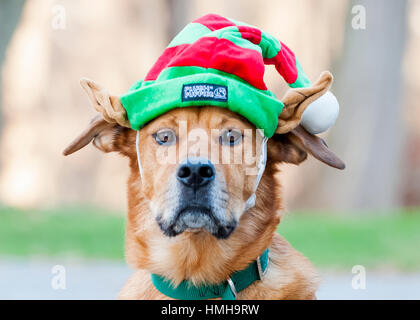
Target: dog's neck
200	257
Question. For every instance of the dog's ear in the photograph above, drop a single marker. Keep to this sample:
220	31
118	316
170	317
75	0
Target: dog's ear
104	127
100	131
294	146
107	105
297	100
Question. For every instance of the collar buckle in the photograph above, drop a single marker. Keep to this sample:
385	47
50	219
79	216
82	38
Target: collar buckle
232	287
261	273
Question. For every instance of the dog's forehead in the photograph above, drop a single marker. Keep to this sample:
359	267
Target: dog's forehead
204	116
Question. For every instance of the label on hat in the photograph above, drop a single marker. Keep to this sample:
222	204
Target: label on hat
204	91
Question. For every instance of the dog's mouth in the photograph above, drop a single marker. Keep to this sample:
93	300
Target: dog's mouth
197	218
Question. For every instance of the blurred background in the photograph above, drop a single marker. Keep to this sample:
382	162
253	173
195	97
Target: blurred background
70	211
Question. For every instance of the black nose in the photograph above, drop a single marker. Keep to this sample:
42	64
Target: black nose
195	173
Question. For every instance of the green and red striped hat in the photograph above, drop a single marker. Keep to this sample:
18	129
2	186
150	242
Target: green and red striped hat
220	62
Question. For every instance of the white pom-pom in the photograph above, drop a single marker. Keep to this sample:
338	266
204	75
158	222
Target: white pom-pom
321	114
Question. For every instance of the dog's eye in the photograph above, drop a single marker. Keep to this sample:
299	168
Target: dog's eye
230	137
165	137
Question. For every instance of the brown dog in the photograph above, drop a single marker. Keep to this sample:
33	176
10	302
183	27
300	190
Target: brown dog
199	229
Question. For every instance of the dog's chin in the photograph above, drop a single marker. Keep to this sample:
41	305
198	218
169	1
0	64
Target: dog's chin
196	220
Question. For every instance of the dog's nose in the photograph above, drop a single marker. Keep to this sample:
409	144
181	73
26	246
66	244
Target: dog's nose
195	173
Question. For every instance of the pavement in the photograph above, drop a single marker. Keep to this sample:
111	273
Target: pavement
69	279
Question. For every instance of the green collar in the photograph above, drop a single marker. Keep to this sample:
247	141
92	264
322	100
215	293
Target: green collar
227	290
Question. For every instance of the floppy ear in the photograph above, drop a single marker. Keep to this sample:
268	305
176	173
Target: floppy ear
100	131
103	128
294	146
298	99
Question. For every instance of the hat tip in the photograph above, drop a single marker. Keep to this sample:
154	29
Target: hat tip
321	114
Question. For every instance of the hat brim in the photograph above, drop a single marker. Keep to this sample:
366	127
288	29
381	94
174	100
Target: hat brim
148	101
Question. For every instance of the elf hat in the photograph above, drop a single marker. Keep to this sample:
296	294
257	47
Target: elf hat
220	62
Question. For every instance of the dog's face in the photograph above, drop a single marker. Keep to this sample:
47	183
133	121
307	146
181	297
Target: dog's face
199	169
199	165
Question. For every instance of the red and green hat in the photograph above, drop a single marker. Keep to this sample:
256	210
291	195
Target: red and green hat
220	62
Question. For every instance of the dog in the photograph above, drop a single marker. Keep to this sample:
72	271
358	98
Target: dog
188	220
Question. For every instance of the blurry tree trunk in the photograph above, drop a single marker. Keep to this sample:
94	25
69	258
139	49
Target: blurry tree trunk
368	134
178	16
9	16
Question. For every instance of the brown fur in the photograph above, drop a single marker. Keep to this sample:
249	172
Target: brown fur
199	256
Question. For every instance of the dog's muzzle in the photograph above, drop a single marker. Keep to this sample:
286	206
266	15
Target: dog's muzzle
197	209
